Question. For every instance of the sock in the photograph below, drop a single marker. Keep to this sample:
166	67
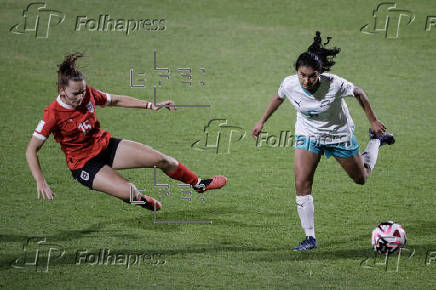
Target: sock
184	174
371	153
305	212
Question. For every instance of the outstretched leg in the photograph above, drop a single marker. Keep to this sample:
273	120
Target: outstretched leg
305	164
132	154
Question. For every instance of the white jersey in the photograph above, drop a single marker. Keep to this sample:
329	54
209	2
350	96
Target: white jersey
323	115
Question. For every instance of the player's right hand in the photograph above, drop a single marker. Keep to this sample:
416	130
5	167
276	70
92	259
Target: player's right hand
257	129
44	190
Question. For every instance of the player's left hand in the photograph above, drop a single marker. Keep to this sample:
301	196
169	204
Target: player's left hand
378	127
165	104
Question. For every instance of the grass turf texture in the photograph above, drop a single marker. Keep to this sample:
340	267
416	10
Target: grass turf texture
247	49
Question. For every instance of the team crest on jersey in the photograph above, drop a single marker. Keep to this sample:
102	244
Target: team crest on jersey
84	175
90	107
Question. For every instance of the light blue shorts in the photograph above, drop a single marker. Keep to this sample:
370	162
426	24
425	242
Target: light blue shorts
342	150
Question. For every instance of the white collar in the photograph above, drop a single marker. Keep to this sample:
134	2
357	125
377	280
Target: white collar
59	100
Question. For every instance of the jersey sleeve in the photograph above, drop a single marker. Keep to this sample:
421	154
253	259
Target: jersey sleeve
46	125
346	88
281	91
101	98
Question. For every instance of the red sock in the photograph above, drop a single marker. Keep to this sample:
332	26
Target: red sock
184	174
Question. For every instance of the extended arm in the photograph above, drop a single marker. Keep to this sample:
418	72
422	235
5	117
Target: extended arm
376	126
129	102
275	102
32	160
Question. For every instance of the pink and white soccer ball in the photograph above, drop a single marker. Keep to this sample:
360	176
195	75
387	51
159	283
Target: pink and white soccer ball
388	237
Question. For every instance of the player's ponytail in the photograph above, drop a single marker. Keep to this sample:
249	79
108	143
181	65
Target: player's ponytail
68	71
317	56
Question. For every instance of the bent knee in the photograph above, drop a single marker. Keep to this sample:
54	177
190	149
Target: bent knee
165	161
303	185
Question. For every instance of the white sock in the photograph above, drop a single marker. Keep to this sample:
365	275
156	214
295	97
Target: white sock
371	153
305	212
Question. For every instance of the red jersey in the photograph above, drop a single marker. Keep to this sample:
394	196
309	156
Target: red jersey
76	129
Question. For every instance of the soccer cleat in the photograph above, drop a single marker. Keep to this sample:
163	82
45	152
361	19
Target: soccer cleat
307	244
149	202
215	182
385	139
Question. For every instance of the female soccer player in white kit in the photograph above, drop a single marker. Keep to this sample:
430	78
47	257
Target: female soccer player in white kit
323	126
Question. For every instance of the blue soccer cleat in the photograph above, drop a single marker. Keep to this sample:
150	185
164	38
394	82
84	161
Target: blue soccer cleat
307	244
385	139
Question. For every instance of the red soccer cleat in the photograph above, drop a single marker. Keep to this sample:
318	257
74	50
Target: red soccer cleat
215	182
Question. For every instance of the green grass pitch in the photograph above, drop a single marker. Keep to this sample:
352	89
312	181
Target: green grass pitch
246	49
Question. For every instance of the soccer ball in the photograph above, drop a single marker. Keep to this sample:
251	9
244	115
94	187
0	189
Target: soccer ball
388	237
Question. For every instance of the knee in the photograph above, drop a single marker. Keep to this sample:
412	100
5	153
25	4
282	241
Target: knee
165	162
303	185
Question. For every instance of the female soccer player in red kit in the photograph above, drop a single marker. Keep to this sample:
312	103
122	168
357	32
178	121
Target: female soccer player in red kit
92	155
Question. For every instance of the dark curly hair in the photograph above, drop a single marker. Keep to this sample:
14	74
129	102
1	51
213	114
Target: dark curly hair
317	56
68	71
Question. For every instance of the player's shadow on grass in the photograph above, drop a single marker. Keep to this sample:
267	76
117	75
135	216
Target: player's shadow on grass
181	215
68	235
351	253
